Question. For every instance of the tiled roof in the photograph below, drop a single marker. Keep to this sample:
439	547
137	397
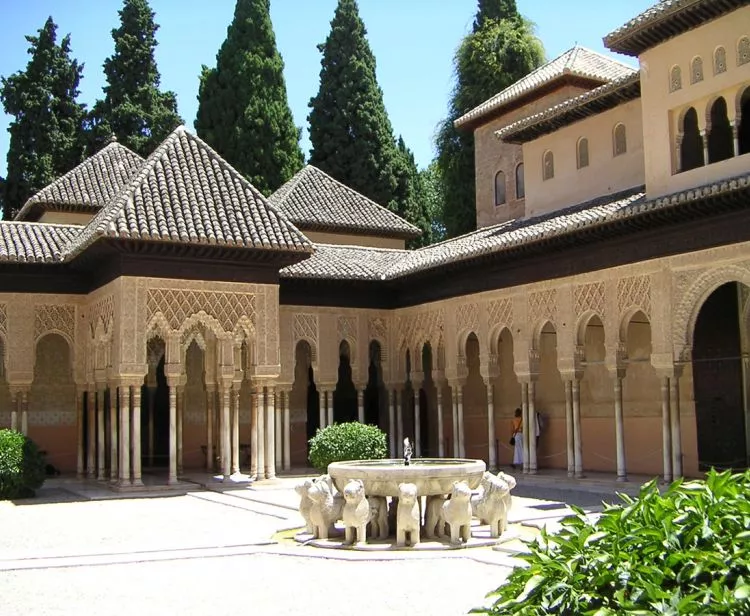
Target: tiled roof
313	200
87	187
33	242
665	20
621	90
336	262
577	62
186	193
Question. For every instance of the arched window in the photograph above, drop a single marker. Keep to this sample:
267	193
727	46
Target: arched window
582	153
696	70
499	188
675	79
744	129
720	60
548	166
691	152
619	140
720	140
520	182
743	50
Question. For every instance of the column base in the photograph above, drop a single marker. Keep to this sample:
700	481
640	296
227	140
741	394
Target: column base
622	478
571	473
172	481
532	471
580	475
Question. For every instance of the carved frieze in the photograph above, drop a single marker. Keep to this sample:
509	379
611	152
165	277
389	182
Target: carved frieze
55	318
178	304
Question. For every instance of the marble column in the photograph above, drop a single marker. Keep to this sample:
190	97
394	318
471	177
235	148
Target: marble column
570	446
279	429
261	456
674	404
80	462
578	452
101	434
172	433
180	414
329	395
361	405
151	413
492	456
399	423
15	405
322	408
622	474
455	387
525	424
392	423
254	433
236	429
210	402
91	403
136	425
114	457
270	437
704	135
666	430
226	430
532	428
124	396
25	411
441	429
287	431
417	422
460	405
736	137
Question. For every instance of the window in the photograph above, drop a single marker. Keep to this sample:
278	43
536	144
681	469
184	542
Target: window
691	149
720	60
499	188
548	166
675	79
720	139
696	70
743	133
520	182
619	140
582	153
743	50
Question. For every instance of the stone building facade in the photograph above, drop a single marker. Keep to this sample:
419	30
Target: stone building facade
162	314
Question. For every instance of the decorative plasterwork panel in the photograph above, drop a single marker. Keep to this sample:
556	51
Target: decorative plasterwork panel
3	319
178	304
347	329
377	329
501	312
467	318
55	318
52	418
102	311
417	329
634	292
590	297
306	328
543	305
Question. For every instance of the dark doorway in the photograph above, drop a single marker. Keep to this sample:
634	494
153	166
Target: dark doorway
718	382
345	394
375	394
720	140
160	417
313	404
428	439
744	130
691	149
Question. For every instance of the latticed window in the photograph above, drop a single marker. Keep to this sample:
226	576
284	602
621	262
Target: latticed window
743	50
696	70
582	154
675	79
499	188
548	164
520	182
720	60
619	139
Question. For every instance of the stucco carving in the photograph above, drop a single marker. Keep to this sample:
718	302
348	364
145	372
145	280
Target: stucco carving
178	304
543	306
101	312
467	318
377	328
3	318
55	318
306	328
417	329
634	292
589	297
501	312
347	330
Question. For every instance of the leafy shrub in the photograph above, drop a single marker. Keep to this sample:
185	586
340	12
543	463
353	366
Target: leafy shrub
21	466
346	441
684	552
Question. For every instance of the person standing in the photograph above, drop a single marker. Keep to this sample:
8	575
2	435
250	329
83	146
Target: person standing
516	439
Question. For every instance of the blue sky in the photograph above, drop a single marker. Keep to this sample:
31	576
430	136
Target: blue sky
413	42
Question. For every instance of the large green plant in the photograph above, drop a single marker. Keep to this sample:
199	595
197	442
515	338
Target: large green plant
346	441
686	551
21	466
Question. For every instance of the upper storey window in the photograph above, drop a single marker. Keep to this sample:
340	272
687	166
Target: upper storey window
691	149
582	153
743	133
696	70
720	60
675	79
619	140
548	166
499	188
720	139
743	50
520	182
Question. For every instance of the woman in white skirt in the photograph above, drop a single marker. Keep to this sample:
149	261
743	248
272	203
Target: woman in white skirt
517	438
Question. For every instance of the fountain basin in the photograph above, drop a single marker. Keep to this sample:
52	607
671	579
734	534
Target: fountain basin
432	476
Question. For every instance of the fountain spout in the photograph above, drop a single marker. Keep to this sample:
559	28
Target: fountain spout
407	451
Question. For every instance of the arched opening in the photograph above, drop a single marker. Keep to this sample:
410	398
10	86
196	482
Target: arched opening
582	153
718	380
596	391
51	404
407	404
154	409
619	140
476	436
520	182
720	140
304	404
506	398
548	166
345	394
192	425
376	396
744	128
691	149
500	188
427	406
550	402
641	390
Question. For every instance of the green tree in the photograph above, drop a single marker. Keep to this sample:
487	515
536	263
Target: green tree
351	135
243	110
409	198
432	191
500	50
46	135
134	109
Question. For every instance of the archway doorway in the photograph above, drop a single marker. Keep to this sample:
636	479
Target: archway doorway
475	428
718	381
345	394
427	427
375	392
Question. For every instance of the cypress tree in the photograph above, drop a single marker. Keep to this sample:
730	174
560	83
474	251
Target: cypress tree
499	51
134	109
46	136
243	111
409	197
432	189
351	135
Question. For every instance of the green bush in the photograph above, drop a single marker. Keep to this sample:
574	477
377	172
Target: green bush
346	441
21	466
686	551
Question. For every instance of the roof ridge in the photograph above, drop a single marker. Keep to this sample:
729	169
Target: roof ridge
359	247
